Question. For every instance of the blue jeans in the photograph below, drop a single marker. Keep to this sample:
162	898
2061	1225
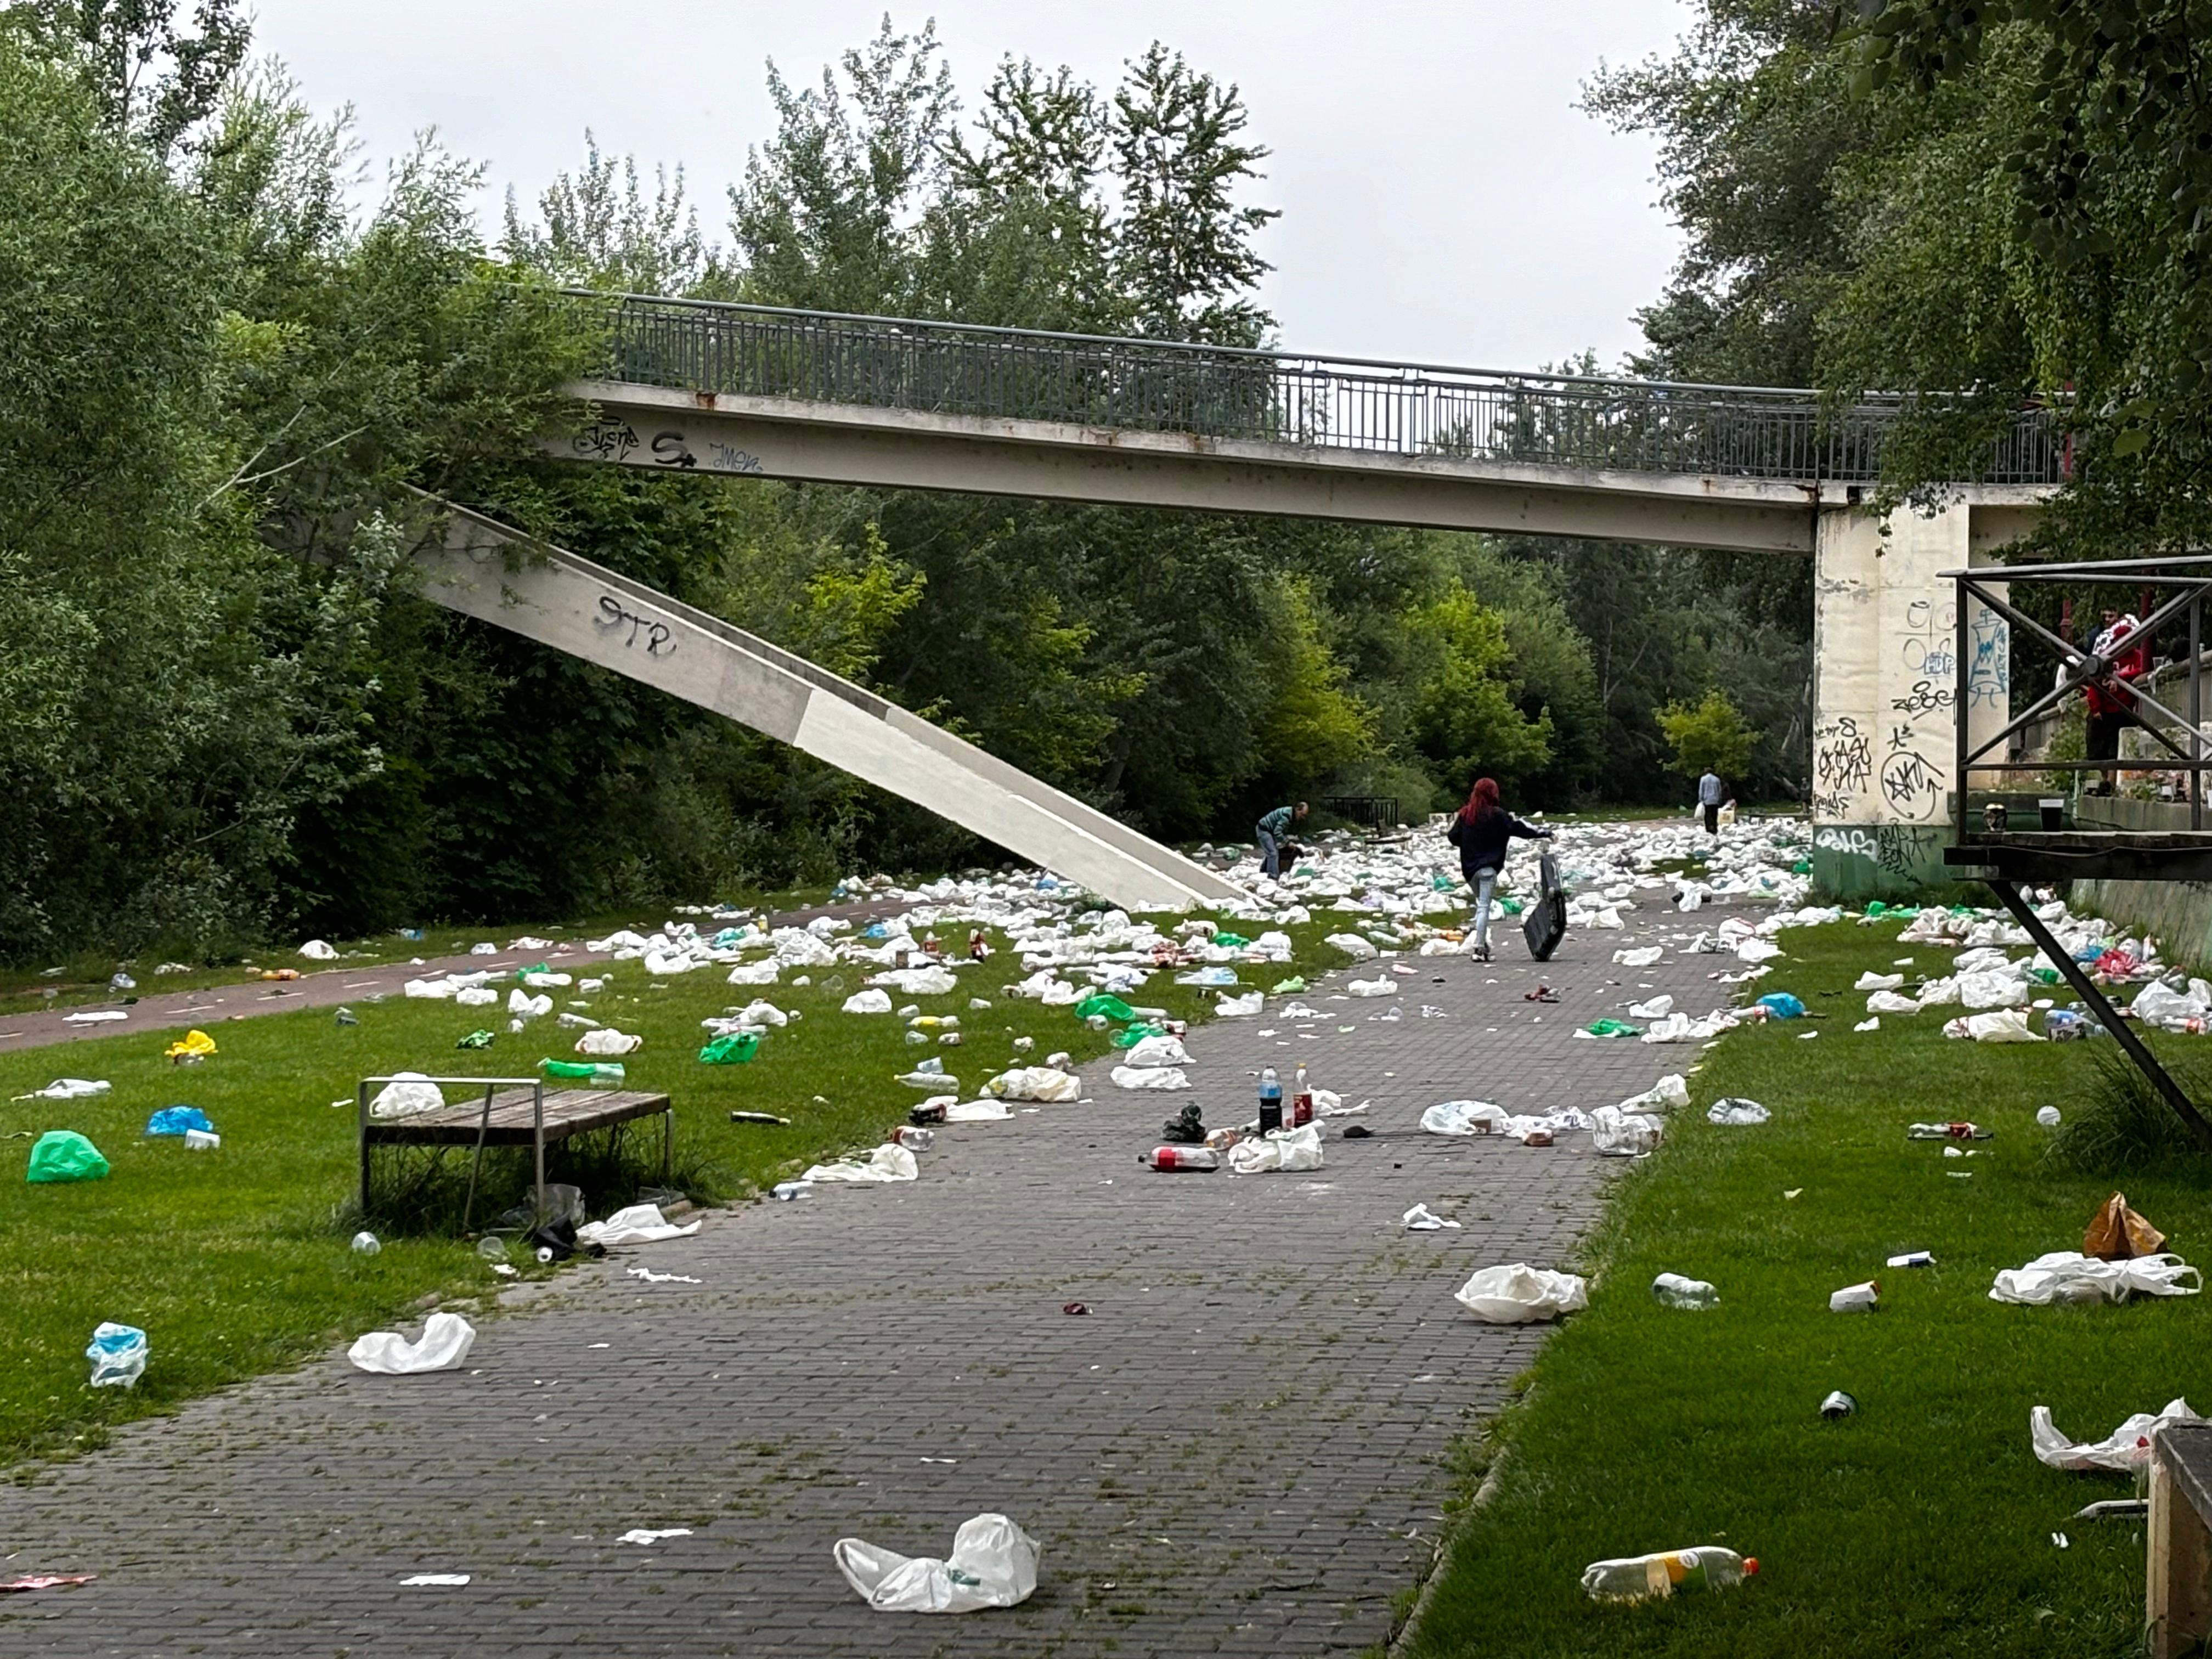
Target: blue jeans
1484	883
1271	852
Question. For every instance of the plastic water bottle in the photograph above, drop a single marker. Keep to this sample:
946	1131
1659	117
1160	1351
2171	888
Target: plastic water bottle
603	1074
1271	1101
1179	1159
1301	1108
1672	1291
1646	1577
784	1191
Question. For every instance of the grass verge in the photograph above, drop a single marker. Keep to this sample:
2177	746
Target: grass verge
235	1261
1923	1525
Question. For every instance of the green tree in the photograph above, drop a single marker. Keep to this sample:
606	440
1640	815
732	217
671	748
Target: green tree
1465	724
1708	736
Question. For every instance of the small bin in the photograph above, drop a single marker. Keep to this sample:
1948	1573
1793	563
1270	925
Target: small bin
2053	809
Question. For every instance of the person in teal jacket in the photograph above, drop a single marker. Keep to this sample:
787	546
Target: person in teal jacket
1272	831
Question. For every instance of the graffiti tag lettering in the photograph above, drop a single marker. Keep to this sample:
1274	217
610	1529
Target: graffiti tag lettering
613	613
607	440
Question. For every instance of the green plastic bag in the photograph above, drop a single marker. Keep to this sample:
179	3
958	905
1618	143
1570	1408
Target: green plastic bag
1231	941
540	967
1876	908
1613	1027
1511	907
734	1050
1130	1035
1802	867
65	1155
1100	1003
475	1040
1289	988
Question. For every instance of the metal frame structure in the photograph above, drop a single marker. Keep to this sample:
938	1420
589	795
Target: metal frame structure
2007	857
1581	421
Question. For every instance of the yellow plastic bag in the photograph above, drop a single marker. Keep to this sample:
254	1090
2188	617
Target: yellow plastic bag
196	1045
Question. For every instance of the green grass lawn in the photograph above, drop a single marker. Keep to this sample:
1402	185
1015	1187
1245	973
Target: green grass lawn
1922	1526
84	976
236	1260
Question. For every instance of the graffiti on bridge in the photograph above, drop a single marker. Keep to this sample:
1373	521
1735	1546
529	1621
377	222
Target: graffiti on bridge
613	613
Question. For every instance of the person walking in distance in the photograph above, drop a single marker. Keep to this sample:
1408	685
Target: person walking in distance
1710	792
1480	829
1271	832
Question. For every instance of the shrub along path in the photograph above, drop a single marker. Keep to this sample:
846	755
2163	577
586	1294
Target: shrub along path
1243	1447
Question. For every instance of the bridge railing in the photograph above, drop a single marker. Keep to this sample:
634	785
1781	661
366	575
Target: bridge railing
1222	392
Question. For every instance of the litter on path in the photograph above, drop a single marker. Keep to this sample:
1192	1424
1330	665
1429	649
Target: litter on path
445	1343
648	1535
993	1564
1516	1293
640	1224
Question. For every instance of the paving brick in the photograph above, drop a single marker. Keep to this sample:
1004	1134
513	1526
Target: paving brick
1240	1450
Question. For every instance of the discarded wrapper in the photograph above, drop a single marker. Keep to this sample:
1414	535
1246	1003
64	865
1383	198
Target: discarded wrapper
2117	1233
1838	1405
1856	1298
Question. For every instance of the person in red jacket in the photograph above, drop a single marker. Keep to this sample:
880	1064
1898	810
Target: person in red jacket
2111	705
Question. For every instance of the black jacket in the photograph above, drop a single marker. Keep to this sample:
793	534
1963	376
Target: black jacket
1482	844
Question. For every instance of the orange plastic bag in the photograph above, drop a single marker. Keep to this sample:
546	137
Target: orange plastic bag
2116	1233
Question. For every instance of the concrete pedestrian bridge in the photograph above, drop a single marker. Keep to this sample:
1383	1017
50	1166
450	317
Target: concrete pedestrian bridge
891	403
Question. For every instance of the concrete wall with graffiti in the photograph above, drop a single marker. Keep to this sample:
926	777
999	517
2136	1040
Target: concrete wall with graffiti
1888	683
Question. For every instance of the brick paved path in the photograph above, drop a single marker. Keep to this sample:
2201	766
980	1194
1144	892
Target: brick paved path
1236	1452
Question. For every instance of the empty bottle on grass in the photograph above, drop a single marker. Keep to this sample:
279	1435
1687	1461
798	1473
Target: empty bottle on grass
603	1074
1672	1291
1647	1577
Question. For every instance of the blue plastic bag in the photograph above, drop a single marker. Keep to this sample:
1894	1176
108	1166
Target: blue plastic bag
118	1355
1780	1004
175	1120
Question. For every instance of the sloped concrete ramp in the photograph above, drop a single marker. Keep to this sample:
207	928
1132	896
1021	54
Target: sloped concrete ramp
481	568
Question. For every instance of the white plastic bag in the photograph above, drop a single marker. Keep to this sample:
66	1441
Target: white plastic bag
1240	1007
2127	1448
640	1224
528	1007
1155	1051
70	1088
1464	1117
929	981
1669	1094
1999	1025
1154	1077
1422	1219
1890	1002
1736	1113
1353	946
1616	1133
1994	989
316	950
1518	1293
1641	956
993	1564
606	1042
887	1162
1658	1008
1372	987
868	1002
2069	1276
755	973
1045	1083
1871	981
445	1343
407	1095
118	1353
1286	1150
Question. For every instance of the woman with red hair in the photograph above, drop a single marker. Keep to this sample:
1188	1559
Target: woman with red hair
1480	829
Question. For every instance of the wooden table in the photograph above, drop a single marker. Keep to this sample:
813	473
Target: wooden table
508	1111
2179	1596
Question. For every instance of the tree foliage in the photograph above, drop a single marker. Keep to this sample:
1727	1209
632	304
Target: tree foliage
1708	736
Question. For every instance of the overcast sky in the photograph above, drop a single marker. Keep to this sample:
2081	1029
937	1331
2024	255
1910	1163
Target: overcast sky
1442	198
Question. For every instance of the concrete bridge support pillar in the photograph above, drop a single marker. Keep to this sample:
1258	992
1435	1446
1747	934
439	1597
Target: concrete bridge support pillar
1887	685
